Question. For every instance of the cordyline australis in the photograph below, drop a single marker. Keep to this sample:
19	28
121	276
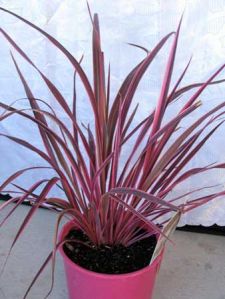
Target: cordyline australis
109	205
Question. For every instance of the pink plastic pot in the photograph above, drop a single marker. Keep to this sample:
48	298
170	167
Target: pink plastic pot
85	284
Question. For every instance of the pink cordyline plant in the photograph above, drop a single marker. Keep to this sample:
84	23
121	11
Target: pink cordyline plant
108	205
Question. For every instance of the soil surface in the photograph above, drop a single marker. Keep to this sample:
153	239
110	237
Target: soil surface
107	259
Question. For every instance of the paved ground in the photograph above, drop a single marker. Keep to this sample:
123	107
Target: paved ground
193	269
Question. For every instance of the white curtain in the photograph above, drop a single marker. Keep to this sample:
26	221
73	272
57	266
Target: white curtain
136	21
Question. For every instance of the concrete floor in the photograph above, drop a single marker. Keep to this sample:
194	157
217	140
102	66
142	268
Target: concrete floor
193	269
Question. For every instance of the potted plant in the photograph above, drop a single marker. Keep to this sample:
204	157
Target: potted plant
119	214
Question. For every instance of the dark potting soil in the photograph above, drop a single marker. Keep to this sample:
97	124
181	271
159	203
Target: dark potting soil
109	259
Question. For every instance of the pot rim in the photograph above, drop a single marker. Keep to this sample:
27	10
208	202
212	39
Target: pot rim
65	229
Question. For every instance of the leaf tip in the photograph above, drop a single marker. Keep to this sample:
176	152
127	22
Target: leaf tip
198	103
